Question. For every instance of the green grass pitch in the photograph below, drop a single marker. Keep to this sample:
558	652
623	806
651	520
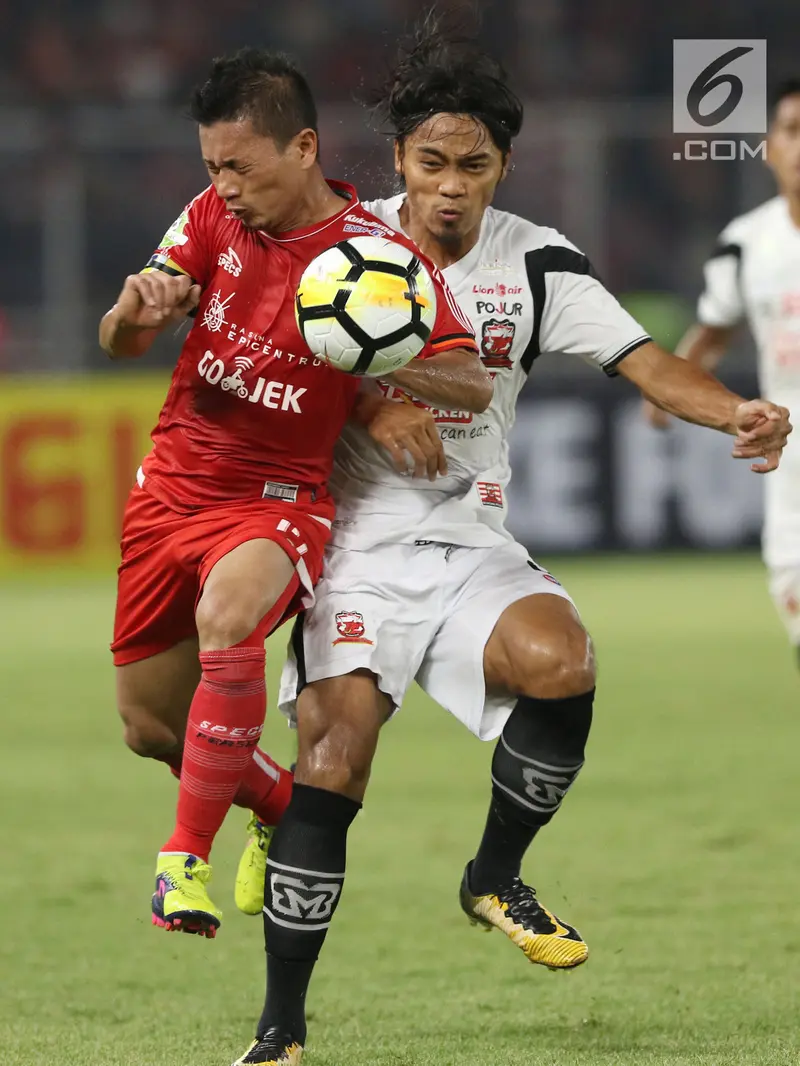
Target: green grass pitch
676	855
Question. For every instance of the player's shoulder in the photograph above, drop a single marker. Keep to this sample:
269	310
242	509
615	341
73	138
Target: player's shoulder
521	233
386	209
745	228
536	250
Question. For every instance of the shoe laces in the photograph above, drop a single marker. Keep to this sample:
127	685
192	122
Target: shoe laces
199	871
525	908
272	1043
262	833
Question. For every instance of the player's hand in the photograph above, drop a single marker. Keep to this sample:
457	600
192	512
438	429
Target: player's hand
763	429
406	430
657	418
154	299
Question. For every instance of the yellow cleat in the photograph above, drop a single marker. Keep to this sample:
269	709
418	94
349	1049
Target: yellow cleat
273	1049
252	872
180	901
515	910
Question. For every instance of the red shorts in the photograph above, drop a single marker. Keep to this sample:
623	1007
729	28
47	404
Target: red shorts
167	556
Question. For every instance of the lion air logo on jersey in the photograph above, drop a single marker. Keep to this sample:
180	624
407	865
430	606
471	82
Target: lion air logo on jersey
497	337
351	629
230	261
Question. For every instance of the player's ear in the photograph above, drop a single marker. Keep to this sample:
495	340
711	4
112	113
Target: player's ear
398	157
507	164
306	144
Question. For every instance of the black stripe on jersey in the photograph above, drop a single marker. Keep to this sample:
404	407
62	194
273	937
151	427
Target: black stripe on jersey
615	360
552	259
154	263
727	249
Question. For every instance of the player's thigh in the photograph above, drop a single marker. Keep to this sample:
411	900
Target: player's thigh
375	612
539	648
338	724
784	587
154	696
240	591
484	585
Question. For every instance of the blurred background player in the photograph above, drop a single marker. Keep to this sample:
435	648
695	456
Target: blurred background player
754	275
224	533
422	581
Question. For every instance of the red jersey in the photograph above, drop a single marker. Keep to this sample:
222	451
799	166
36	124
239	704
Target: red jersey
250	411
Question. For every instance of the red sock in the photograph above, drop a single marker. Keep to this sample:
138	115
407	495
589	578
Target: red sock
225	722
266	788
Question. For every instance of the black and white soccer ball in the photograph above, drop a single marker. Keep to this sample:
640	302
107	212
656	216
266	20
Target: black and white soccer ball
366	305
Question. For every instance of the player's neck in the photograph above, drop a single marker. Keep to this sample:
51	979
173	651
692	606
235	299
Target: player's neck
317	203
443	253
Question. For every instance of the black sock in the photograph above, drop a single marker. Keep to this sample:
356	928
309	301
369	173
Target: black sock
305	876
537	758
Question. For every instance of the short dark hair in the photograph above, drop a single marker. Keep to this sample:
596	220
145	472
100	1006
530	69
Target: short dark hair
440	70
788	87
265	87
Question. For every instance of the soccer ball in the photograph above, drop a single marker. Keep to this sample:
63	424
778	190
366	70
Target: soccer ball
366	306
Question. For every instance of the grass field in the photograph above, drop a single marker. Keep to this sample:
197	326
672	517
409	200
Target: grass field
676	855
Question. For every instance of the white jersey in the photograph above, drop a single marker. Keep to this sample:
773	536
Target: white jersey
527	291
754	274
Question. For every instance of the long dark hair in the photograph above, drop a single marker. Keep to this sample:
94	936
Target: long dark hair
440	69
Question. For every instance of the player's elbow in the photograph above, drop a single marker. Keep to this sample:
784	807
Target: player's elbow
481	390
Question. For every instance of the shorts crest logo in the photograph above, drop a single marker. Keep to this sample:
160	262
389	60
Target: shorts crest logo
351	629
491	493
497	338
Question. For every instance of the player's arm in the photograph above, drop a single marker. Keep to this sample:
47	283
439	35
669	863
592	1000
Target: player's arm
581	316
147	303
704	346
448	373
455	379
168	288
685	389
719	311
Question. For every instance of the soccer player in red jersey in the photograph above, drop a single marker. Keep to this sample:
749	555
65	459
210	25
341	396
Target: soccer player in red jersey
223	534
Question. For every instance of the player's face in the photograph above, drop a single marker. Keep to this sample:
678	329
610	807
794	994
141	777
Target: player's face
259	182
783	146
451	168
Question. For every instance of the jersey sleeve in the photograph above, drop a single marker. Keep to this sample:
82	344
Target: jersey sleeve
574	313
452	328
186	247
721	303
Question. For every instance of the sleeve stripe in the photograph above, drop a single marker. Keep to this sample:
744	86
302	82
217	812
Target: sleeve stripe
610	365
727	249
454	340
552	259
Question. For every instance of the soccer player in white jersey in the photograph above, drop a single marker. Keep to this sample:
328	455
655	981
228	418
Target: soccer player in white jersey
424	581
754	275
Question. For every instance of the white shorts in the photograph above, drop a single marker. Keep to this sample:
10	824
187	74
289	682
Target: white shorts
784	587
420	611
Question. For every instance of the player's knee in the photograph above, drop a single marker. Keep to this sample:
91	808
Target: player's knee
226	616
146	735
556	666
339	723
